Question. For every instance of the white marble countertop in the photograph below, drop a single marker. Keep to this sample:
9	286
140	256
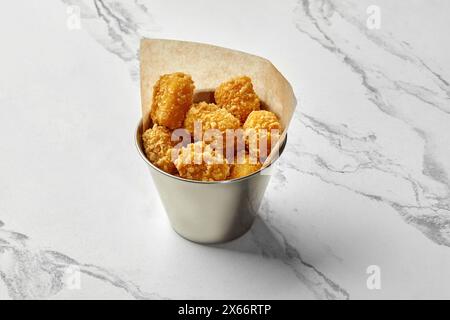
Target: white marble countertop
364	182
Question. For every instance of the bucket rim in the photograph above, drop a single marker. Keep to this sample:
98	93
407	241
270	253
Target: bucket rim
138	144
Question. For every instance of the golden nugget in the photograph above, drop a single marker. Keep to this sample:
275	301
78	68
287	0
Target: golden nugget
260	125
238	97
172	97
246	168
210	116
198	161
158	145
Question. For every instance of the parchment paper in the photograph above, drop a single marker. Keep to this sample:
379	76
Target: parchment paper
209	66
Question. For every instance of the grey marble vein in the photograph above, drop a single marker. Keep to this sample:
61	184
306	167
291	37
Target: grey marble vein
430	212
122	24
273	244
34	273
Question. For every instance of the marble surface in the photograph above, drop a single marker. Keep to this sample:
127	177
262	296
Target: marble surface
364	180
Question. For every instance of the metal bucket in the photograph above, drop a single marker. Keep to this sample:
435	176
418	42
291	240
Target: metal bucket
209	212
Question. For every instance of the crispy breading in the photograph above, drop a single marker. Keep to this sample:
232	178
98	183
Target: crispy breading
262	119
172	97
158	145
238	97
198	161
236	116
246	168
259	126
210	116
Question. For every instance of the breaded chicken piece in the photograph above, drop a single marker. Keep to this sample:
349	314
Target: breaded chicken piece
238	97
210	116
246	168
198	161
158	145
262	119
172	97
259	124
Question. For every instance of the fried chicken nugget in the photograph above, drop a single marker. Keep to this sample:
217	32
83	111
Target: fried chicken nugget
262	119
260	124
198	161
158	145
172	97
210	116
246	168
238	97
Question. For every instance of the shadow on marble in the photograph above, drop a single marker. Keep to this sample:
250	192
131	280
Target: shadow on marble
259	240
268	242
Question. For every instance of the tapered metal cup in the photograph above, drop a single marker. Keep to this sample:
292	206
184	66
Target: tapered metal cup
209	212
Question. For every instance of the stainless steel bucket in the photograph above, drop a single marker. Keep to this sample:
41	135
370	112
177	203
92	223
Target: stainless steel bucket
209	212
